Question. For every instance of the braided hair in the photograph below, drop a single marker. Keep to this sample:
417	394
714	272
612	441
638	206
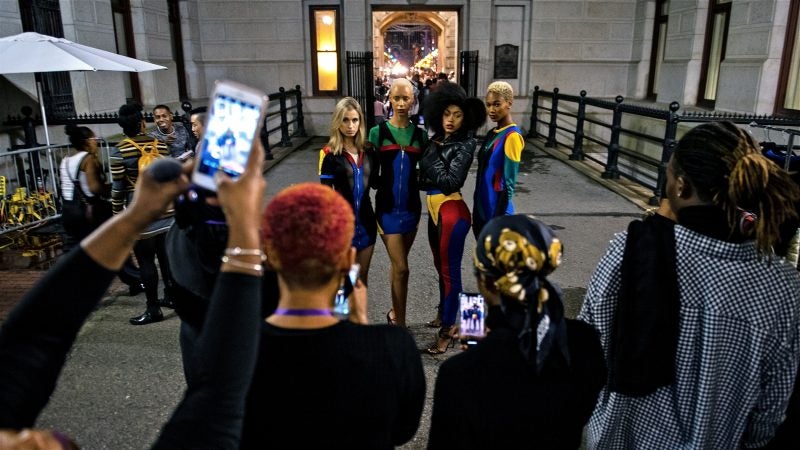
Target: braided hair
725	167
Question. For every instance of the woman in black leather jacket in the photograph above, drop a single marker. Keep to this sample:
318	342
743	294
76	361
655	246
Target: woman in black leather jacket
443	169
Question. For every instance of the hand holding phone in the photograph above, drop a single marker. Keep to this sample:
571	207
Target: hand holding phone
341	306
472	317
236	113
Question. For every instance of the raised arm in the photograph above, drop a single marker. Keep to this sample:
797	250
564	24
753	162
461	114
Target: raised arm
36	337
212	410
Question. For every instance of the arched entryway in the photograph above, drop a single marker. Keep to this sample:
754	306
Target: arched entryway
428	38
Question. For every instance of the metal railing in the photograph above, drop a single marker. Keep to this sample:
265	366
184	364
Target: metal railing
614	130
30	185
285	109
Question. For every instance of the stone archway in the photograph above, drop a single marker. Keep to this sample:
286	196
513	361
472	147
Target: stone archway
444	24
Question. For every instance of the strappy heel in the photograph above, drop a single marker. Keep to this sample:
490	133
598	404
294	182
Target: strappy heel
447	336
389	319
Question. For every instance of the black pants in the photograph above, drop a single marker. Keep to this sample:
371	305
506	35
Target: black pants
146	251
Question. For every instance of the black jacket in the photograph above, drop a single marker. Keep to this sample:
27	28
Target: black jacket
445	165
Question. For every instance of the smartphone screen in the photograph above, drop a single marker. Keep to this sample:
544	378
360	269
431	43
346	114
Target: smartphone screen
341	307
229	135
472	316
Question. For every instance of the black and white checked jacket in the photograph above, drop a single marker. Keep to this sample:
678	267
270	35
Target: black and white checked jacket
738	350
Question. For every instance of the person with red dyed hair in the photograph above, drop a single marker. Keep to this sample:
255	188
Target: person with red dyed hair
324	375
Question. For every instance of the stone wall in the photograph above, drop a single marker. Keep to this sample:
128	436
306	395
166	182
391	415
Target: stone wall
583	45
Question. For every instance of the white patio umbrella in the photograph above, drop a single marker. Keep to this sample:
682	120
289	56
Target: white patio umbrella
33	52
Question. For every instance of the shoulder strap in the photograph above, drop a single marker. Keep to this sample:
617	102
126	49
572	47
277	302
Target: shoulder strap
78	171
384	133
133	143
76	184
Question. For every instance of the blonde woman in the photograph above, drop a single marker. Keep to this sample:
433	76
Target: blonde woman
349	169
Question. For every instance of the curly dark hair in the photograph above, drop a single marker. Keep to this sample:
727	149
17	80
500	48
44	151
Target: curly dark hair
130	119
452	94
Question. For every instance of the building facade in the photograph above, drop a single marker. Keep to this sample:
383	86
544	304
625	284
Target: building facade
737	55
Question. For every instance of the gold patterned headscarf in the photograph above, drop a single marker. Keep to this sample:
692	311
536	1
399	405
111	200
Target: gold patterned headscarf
517	253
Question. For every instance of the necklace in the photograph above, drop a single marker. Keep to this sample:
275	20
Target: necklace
165	135
302	312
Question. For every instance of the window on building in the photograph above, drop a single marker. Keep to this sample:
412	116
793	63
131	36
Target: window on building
325	49
123	35
659	44
787	100
719	17
44	16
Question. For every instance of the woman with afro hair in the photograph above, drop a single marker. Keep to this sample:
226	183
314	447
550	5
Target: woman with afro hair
453	118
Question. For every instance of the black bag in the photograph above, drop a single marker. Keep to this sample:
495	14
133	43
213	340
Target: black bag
81	215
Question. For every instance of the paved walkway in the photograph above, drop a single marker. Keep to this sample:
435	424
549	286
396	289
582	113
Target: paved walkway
121	382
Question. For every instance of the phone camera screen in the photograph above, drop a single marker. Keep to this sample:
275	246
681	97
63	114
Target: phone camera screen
229	136
473	315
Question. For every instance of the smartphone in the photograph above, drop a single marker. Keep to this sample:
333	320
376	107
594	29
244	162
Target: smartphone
341	307
472	317
236	112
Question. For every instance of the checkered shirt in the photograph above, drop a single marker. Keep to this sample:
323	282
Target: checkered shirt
737	354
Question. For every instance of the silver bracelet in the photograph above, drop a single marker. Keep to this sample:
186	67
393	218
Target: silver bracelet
238	251
243	265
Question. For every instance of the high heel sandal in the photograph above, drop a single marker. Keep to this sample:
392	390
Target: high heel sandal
389	318
448	336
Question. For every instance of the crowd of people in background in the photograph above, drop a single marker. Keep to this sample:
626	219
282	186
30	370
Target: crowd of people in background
689	334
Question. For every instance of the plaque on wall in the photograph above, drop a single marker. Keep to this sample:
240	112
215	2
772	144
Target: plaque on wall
505	61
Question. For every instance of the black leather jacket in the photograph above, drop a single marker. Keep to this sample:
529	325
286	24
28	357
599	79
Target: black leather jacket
445	165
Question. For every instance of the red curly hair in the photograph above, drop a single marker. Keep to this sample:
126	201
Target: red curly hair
307	228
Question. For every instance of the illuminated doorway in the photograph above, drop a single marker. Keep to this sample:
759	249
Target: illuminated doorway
407	42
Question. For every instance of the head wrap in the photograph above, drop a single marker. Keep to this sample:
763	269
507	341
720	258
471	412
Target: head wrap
518	252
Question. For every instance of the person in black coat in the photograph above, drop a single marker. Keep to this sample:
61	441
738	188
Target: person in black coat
443	169
38	334
536	376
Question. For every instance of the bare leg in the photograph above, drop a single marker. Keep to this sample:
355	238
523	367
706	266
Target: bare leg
398	247
363	258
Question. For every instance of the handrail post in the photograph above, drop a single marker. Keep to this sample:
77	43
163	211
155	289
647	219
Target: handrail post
577	146
301	125
551	133
286	141
670	132
268	156
532	133
612	169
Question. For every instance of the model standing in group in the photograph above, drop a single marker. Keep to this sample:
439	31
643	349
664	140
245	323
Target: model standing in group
349	169
443	169
498	159
397	204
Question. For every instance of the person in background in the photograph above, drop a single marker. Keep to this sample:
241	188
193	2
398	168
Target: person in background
124	173
83	178
498	159
38	334
537	372
351	170
173	134
198	120
325	375
443	170
676	304
399	145
379	110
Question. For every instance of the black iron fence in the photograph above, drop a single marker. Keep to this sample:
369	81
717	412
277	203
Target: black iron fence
284	119
30	192
615	129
